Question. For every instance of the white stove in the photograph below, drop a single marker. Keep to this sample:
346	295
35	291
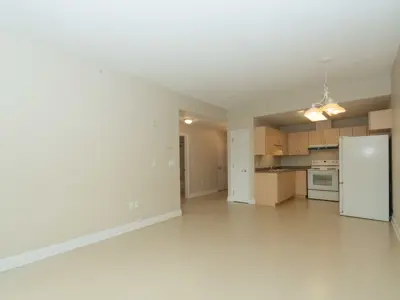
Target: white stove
323	180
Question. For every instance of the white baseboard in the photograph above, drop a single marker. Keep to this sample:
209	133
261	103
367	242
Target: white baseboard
202	193
231	200
32	256
396	227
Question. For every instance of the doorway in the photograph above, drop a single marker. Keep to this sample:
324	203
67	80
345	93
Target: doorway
222	169
183	166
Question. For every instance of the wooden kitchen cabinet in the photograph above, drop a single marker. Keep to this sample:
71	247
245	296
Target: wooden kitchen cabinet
286	185
331	136
301	183
269	141
298	143
284	139
273	188
360	131
380	119
316	138
260	134
346	131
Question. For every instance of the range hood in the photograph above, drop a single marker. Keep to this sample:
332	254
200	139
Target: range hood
323	147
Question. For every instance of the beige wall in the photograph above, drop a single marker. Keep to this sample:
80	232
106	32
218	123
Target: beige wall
396	136
265	103
78	144
207	150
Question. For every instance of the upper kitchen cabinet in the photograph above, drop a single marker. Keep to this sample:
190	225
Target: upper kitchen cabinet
260	134
380	119
269	141
331	136
284	142
360	131
316	138
346	131
298	143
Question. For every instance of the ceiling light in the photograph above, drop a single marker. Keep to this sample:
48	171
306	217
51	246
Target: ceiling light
332	108
188	121
315	114
327	104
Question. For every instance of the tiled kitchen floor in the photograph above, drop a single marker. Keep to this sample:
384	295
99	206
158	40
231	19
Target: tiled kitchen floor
301	250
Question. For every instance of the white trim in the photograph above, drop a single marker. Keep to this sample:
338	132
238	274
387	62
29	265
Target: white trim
32	256
203	193
396	227
231	199
187	164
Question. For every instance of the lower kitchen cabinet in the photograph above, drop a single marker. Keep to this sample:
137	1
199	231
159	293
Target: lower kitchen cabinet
301	183
272	188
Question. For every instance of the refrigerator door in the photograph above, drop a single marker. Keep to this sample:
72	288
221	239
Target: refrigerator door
364	177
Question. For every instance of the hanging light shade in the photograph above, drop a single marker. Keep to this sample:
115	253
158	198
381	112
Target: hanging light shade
332	108
315	114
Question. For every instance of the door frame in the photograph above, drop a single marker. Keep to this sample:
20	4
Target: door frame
187	165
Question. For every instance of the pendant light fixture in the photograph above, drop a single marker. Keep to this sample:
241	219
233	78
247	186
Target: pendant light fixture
327	104
315	114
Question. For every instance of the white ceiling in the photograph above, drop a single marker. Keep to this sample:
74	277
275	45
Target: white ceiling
216	50
354	109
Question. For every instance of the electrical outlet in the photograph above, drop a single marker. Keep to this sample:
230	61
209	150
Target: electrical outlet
131	205
136	204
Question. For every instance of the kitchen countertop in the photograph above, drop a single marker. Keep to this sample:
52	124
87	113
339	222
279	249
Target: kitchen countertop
283	168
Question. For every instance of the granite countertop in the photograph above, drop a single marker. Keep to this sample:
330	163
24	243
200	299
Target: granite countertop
283	168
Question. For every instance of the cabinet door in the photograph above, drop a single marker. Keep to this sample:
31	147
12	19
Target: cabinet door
292	141
301	183
272	142
302	143
381	119
360	131
346	131
331	136
284	139
315	138
259	141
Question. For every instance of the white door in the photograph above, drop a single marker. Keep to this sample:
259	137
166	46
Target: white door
240	165
364	177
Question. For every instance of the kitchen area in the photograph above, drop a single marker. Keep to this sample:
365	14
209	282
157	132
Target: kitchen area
295	158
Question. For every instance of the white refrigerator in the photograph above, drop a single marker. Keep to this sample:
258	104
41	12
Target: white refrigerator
364	177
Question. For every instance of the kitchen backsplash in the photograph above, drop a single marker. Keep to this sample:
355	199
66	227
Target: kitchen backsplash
266	161
306	159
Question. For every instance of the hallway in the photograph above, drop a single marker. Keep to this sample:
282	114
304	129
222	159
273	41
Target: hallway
301	250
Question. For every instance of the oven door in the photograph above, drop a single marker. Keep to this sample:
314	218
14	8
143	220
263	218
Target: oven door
323	180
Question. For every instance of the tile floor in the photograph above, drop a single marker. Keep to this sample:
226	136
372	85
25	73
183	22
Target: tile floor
301	250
